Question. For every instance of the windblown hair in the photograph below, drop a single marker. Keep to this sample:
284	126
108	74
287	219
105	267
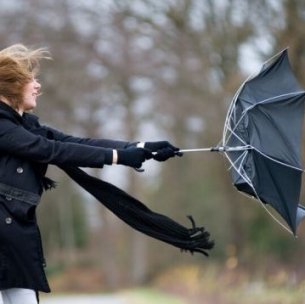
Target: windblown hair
18	66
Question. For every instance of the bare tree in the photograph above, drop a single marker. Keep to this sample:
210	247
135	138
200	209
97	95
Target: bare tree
142	70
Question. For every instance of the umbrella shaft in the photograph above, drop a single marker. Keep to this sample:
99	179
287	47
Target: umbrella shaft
195	150
217	149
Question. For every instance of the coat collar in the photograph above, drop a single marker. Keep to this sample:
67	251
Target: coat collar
26	119
9	112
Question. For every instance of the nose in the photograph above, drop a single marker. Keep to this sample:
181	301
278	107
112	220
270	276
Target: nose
37	85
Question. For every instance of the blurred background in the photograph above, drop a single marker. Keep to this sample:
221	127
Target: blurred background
144	70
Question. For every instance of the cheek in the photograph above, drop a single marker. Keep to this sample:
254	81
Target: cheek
28	88
26	98
27	93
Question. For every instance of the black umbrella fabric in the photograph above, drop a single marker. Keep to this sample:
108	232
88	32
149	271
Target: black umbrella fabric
266	118
262	139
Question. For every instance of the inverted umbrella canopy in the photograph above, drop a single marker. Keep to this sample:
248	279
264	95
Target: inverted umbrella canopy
266	118
262	139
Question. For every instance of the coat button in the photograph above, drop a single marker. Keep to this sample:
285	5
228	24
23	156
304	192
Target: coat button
8	220
19	170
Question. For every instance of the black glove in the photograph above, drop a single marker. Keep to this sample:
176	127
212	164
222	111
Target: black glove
154	146
164	150
164	154
133	157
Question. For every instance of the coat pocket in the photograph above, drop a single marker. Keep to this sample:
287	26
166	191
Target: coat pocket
19	210
20	204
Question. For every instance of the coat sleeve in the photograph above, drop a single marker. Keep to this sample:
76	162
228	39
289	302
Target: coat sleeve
104	143
17	141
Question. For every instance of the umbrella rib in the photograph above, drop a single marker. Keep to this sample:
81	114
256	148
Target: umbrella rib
277	161
242	157
271	98
246	178
234	134
229	117
227	122
227	126
230	111
234	99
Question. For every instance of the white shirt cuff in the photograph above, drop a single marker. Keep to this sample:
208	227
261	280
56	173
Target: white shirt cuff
140	145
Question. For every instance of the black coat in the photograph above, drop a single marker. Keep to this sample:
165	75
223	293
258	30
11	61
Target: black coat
24	157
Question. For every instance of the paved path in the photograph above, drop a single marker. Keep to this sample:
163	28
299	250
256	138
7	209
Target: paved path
84	299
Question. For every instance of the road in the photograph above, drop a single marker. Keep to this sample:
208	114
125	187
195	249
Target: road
84	299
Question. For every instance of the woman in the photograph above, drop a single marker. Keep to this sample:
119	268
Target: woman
27	148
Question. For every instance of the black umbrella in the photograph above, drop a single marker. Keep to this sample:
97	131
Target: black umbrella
262	139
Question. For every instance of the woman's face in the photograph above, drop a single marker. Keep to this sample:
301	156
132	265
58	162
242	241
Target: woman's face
31	92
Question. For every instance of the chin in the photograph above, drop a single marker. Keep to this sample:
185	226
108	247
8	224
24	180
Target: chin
32	105
30	108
